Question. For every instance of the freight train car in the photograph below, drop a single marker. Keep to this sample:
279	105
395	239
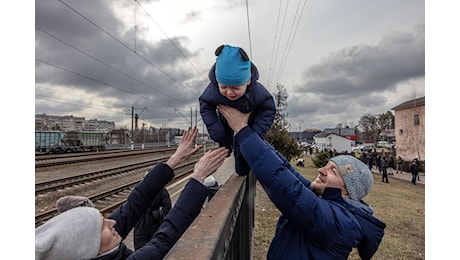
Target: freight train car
48	141
79	141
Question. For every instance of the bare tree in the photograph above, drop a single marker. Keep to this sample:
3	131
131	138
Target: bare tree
278	135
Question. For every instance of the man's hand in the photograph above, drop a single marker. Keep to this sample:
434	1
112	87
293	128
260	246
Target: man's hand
235	118
209	163
185	149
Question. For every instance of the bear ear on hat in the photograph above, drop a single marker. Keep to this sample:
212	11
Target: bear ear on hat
219	50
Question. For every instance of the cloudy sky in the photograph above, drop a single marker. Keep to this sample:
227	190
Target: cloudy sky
338	60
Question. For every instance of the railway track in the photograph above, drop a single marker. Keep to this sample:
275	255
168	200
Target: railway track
59	160
109	200
111	168
62	183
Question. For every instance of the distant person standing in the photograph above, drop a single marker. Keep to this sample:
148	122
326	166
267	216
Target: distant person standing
364	157
383	167
399	165
418	167
370	160
414	171
391	163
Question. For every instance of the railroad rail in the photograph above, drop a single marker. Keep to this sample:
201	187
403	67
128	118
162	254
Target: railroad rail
109	200
63	160
61	183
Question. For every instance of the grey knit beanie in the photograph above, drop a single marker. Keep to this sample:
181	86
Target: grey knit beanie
209	181
74	234
69	202
356	175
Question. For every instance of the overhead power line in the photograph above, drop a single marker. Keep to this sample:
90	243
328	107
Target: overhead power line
127	47
278	41
171	41
249	30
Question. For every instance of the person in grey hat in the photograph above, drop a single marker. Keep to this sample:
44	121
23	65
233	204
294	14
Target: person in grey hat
211	183
69	202
321	219
83	233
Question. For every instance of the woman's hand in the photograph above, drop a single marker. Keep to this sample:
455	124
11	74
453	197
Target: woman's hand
185	149
209	163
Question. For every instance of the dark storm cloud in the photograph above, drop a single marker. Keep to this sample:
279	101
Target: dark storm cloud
352	80
84	45
365	69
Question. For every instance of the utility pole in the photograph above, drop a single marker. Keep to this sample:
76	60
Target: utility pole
300	133
132	128
196	117
143	135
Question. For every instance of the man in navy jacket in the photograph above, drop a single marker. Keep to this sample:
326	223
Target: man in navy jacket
323	219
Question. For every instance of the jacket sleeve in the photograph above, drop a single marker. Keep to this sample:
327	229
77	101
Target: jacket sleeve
208	111
266	111
128	214
184	212
310	214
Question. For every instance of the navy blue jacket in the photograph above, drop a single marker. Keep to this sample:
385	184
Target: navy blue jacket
184	212
310	227
256	99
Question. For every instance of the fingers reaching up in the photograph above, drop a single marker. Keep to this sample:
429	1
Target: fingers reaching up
186	148
209	163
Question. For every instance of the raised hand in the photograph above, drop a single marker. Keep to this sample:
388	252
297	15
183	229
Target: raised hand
186	148
209	163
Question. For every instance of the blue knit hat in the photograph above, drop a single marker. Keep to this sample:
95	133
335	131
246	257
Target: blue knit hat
233	67
356	175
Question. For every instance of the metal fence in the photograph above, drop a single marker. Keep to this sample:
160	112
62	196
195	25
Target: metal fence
224	229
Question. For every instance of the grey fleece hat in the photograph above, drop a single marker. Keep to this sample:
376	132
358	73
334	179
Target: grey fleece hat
69	202
74	234
209	181
356	175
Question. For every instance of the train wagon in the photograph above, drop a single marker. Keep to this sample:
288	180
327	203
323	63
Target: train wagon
48	141
79	141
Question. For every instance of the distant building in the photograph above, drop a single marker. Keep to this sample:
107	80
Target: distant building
71	123
331	141
350	133
306	136
410	129
120	136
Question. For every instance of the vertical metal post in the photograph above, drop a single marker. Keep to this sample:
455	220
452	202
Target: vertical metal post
132	128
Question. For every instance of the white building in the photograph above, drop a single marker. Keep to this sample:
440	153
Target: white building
331	141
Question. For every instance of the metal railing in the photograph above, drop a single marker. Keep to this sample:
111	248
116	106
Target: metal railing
224	229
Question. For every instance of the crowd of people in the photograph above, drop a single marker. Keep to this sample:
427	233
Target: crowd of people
386	164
